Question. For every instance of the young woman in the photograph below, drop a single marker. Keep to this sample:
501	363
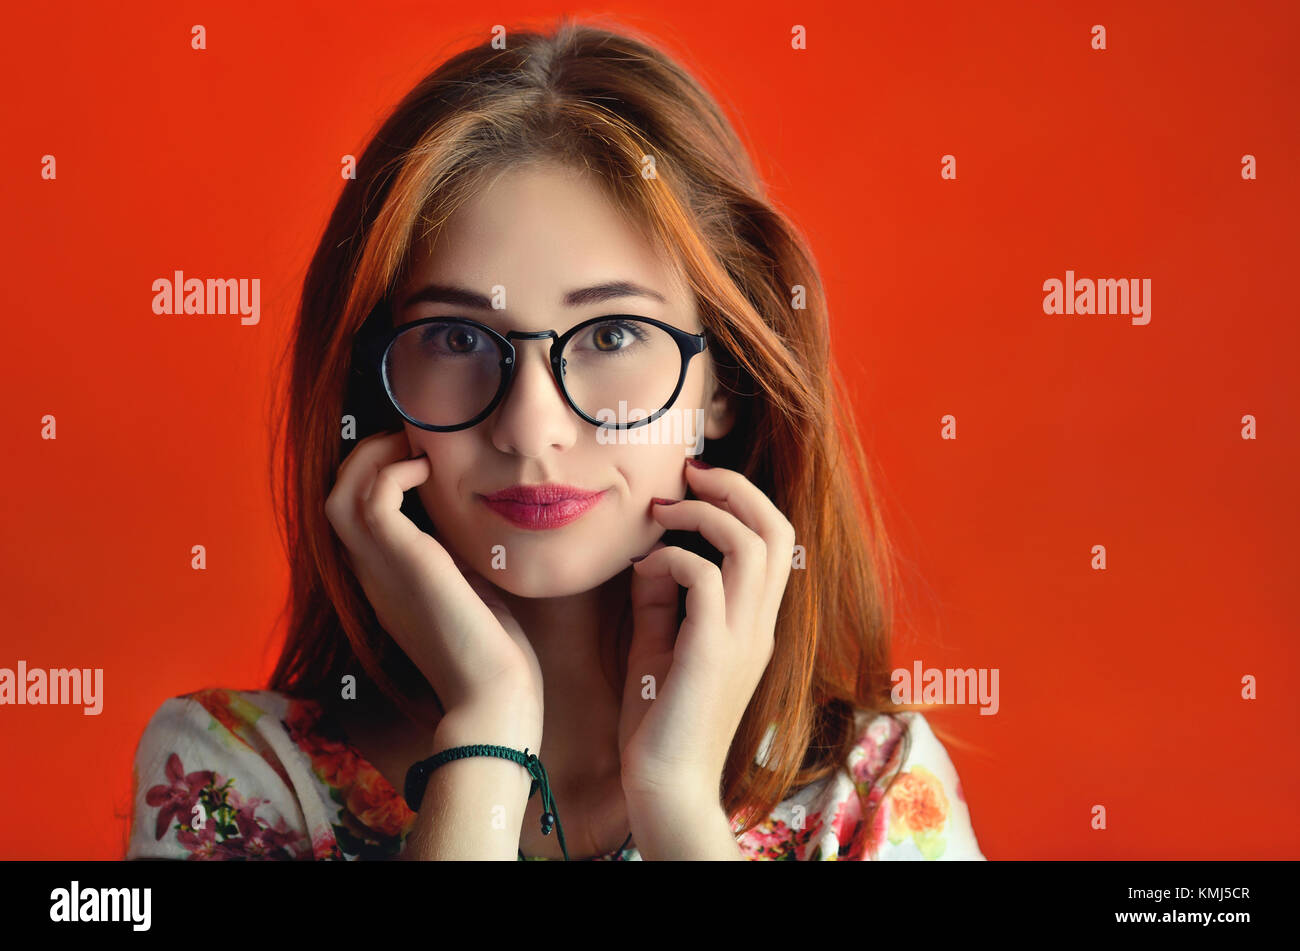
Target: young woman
567	471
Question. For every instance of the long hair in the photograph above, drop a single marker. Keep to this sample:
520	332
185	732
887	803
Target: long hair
614	105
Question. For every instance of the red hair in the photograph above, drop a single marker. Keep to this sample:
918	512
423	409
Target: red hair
603	101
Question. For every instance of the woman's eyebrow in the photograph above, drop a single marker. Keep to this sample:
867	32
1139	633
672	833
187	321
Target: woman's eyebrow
583	296
608	291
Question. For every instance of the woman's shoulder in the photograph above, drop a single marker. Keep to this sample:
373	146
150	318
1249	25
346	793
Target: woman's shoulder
253	721
230	773
238	707
239	723
915	805
240	712
210	781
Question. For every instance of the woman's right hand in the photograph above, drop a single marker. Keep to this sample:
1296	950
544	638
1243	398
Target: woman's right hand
452	624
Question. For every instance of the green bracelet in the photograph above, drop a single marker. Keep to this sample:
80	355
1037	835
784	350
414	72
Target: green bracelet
417	779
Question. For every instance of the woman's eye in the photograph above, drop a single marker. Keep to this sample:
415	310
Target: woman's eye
615	336
454	339
608	337
460	340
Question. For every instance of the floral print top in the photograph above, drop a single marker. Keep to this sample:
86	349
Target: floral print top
230	774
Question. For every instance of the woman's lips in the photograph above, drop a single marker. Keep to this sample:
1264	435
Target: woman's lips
542	507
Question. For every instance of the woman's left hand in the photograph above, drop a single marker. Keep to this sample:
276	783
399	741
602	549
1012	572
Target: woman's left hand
676	744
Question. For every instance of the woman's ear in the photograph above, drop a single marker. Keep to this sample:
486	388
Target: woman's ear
720	413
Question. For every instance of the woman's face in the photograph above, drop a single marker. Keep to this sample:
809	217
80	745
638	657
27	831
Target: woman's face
533	236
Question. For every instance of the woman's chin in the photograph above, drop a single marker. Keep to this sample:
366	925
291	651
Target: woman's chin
549	580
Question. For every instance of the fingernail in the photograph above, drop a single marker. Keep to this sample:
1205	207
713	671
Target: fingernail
698	463
665	501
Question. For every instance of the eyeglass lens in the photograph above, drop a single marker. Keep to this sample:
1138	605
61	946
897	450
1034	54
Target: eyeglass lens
447	373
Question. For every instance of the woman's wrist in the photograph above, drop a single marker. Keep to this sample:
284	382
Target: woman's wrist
495	727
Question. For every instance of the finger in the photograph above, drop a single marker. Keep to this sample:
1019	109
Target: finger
367	456
744	554
748	503
654	628
385	450
355	474
654	608
390	527
382	507
706	616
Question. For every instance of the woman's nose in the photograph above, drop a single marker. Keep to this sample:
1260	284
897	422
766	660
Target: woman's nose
534	415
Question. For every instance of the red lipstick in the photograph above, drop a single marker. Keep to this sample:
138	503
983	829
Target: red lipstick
542	507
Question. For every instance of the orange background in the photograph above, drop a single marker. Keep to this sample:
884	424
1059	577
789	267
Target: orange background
1119	687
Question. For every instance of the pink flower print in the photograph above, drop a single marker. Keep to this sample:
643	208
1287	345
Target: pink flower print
247	823
201	844
324	847
765	841
876	744
178	798
918	809
846	825
866	836
263	841
775	840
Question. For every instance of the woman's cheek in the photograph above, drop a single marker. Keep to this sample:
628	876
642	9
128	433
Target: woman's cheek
658	474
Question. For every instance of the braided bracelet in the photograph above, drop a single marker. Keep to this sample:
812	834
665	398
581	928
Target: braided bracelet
417	779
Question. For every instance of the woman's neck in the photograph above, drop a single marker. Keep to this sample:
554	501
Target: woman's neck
581	645
580	640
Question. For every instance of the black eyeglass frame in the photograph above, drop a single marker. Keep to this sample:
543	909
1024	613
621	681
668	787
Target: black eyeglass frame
688	344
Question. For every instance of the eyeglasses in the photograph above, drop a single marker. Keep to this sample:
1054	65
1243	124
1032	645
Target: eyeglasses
449	373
